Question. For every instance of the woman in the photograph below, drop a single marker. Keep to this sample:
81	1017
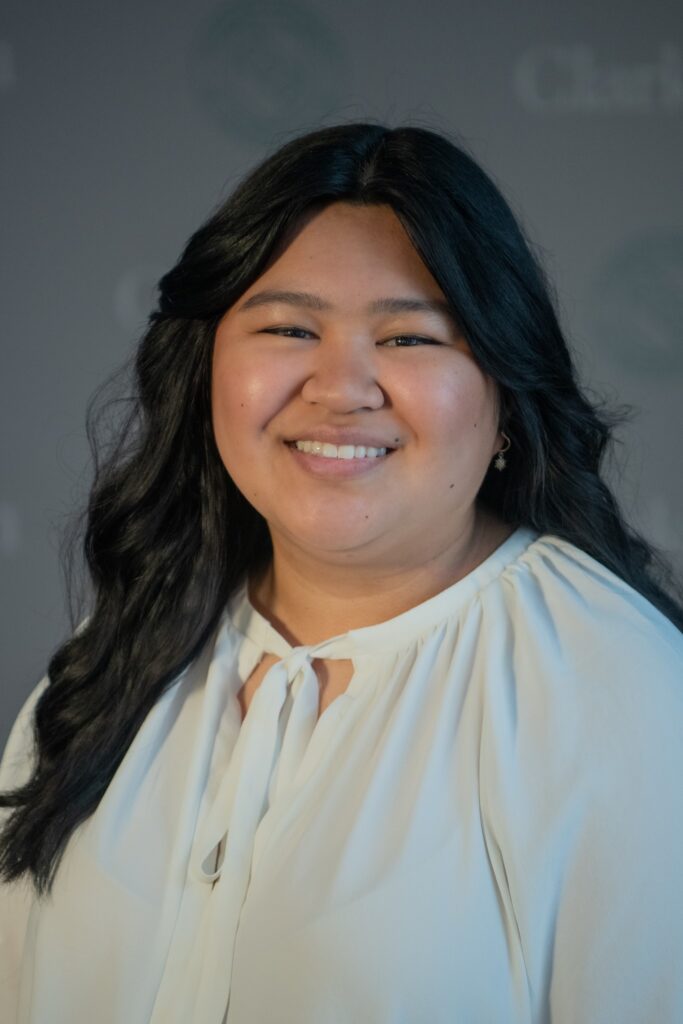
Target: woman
377	714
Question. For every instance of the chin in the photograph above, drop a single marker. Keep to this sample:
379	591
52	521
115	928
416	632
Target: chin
331	542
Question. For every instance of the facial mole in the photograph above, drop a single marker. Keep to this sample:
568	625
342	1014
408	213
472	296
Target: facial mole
451	485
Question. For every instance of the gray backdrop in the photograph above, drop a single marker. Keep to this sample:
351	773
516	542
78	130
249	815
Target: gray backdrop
124	124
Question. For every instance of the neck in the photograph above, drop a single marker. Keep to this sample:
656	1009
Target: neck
309	601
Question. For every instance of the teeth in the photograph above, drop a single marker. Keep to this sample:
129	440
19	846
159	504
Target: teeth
342	451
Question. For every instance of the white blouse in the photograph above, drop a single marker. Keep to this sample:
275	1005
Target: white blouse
487	826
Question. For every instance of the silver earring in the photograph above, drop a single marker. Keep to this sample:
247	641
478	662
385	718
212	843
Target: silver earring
500	461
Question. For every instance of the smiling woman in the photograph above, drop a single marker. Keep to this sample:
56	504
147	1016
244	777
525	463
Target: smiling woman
367	720
424	415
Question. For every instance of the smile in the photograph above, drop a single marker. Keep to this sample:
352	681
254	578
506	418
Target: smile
343	451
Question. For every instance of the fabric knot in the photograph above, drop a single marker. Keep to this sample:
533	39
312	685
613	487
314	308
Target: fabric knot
296	661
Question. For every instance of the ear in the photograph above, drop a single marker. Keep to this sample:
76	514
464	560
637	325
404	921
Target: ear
503	417
498	443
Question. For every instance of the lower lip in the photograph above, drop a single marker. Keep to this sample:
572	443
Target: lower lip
338	468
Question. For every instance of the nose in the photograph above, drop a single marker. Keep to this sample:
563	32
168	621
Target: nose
343	377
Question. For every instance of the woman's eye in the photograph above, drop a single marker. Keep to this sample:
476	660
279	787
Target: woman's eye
399	341
288	332
410	340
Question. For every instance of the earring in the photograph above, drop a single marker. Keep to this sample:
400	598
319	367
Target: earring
500	462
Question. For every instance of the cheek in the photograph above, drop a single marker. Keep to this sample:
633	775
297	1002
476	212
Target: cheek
233	424
242	395
458	403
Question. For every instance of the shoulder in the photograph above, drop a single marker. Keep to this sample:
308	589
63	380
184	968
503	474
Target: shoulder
583	713
580	768
595	670
582	727
17	898
18	757
586	622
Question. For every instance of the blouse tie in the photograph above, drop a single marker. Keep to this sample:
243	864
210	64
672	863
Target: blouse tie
227	834
223	852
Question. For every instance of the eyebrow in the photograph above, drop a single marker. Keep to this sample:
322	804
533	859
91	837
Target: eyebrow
388	305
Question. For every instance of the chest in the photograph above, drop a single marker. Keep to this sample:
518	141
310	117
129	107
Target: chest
417	944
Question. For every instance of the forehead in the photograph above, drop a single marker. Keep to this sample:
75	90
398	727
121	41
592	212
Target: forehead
348	256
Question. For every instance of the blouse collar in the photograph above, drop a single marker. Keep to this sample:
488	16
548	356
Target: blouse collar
392	634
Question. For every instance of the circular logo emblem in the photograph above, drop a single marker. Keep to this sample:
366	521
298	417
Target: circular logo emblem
636	303
260	68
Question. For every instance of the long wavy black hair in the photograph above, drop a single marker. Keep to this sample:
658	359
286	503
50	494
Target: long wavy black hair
168	535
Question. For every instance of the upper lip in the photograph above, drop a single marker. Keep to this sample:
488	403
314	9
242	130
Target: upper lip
341	435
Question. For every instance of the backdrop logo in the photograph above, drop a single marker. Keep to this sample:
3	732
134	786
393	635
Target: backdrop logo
635	303
572	79
261	67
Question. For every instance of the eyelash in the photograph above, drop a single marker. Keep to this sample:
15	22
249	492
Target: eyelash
397	337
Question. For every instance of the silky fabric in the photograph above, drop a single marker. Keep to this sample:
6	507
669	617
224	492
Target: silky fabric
486	826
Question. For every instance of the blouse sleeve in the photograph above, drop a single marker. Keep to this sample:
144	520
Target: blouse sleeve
15	898
582	777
